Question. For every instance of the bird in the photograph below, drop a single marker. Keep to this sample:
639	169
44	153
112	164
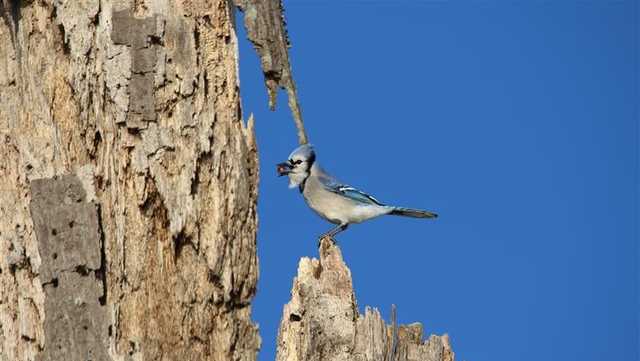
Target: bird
336	202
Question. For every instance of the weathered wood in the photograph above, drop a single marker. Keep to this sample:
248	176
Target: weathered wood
139	101
71	270
321	322
266	28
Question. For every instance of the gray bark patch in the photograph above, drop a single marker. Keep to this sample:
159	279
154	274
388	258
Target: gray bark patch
69	241
138	34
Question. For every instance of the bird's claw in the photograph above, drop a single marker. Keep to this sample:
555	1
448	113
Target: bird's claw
330	237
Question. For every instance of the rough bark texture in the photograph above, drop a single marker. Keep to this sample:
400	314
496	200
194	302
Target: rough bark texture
67	228
321	322
128	183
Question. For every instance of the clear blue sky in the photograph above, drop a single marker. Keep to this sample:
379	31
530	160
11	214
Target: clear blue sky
516	120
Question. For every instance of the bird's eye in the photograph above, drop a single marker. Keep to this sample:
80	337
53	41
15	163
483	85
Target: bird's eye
297	161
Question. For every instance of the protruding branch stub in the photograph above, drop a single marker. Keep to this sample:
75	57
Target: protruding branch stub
266	29
294	105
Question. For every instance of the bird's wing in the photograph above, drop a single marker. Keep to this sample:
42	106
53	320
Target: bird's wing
351	193
331	184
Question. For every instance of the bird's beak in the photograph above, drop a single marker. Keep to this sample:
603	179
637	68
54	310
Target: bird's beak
283	169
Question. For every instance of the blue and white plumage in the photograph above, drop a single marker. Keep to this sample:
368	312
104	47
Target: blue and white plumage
338	203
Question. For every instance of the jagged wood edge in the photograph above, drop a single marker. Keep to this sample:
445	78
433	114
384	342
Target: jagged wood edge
266	28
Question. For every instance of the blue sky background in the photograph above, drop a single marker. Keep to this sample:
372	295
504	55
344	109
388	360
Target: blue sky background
517	121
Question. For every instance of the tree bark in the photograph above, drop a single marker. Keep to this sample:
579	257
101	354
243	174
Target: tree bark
128	183
322	322
267	31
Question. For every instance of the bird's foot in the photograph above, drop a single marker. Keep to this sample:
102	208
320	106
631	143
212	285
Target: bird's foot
327	236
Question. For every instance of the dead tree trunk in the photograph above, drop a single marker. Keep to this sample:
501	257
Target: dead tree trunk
322	322
128	183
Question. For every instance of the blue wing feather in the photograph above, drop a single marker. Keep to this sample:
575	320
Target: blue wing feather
332	185
352	193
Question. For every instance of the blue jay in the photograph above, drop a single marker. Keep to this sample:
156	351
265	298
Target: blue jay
338	203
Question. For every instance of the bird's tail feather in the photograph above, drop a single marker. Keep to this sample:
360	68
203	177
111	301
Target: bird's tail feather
415	213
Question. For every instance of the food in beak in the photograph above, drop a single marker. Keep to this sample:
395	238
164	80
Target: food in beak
283	169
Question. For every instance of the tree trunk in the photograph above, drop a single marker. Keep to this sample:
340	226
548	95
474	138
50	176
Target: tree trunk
128	183
322	322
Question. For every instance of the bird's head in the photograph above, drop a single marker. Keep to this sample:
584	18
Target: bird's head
298	166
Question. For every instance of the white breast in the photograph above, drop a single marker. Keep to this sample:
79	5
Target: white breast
336	208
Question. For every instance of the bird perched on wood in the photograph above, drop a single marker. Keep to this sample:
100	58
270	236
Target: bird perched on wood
338	203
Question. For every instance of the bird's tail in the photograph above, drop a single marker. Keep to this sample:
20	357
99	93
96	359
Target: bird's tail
415	213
